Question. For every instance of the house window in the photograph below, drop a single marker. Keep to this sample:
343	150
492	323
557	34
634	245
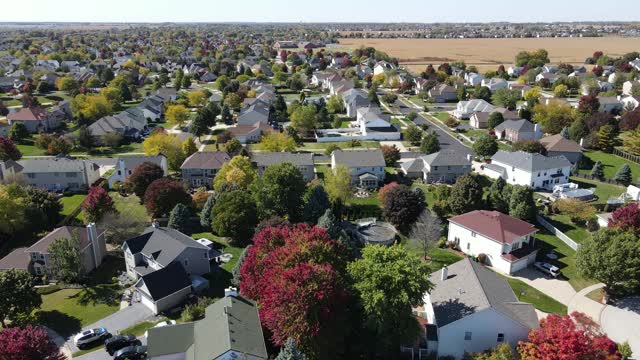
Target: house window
467	335
186	262
500	337
71	174
119	172
34	256
435	168
468	246
31	175
473	234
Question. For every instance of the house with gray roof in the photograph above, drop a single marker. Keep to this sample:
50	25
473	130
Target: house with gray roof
366	166
444	166
534	170
443	93
258	112
231	329
518	130
302	161
52	174
126	164
464	109
201	167
354	99
471	309
129	123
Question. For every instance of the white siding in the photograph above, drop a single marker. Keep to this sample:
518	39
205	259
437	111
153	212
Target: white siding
477	245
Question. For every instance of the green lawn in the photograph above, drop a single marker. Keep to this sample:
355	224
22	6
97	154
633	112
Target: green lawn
604	191
70	203
540	301
129	206
345	124
575	232
28	148
610	162
139	328
342	144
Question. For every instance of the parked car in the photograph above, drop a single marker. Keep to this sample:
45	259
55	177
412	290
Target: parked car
90	336
547	268
118	342
131	353
162	324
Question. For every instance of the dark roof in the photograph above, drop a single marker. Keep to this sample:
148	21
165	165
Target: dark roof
274	158
494	225
162	244
446	158
516	125
206	160
530	162
359	158
166	281
17	259
559	143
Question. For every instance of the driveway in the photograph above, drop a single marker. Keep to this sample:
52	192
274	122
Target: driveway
558	289
118	321
447	141
622	322
102	354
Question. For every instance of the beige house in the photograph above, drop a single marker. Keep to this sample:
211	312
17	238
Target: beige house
302	161
53	174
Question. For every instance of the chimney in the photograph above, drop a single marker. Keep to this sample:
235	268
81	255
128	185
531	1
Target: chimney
231	291
582	143
444	275
536	128
469	157
155	224
92	236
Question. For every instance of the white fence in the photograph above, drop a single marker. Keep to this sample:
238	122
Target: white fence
565	239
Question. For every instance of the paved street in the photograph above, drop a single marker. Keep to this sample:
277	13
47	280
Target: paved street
622	322
447	141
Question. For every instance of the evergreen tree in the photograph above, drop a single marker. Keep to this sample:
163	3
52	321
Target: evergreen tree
565	133
329	222
606	138
623	175
199	125
205	214
495	119
316	203
290	351
125	92
179	218
227	118
596	170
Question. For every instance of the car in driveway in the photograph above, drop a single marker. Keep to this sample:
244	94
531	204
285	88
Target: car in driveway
547	268
161	324
131	353
90	336
118	342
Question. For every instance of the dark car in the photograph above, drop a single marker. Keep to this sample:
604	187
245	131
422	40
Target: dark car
131	353
120	341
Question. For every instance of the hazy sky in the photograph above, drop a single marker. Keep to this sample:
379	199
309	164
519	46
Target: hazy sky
317	11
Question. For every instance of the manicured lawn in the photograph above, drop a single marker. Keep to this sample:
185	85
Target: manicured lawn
596	295
540	301
221	278
358	208
342	144
129	206
28	148
345	124
139	328
575	232
70	203
604	191
610	164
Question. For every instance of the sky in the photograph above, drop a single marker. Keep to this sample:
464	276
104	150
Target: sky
423	11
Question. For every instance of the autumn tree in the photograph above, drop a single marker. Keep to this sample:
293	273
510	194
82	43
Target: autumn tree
189	147
390	153
578	211
238	172
425	232
142	176
277	142
163	194
588	105
402	206
97	204
8	150
161	142
337	182
279	192
177	114
27	343
630	120
606	138
234	215
626	218
19	297
554	116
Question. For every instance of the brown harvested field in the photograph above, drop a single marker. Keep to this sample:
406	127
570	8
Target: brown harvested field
488	54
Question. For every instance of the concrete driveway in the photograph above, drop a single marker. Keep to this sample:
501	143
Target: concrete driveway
118	321
622	322
102	354
558	289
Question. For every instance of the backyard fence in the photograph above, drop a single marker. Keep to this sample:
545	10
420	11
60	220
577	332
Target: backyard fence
625	155
565	239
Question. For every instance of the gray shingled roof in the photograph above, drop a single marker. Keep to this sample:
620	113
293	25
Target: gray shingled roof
516	125
206	160
359	158
530	162
471	288
274	158
446	158
53	165
162	244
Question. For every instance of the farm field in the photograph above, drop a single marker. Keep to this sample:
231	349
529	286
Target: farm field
487	54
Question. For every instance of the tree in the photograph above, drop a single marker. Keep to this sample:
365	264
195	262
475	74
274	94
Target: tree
496	197
485	146
205	214
578	130
482	93
630	120
632	142
372	95
623	175
560	91
197	98
238	172
506	98
225	115
290	351
338	184
335	105
304	118
97	204
163	195
466	195
234	215
180	219
626	218
316	202
570	337
43	208
530	146
430	143
279	192
19	132
90	107
588	105
233	147
186	81
554	116
66	259
189	147
112	140
565	133
578	211
12	210
67	84
167	144
142	176
8	150
391	154
200	125
495	119
27	343
389	282
413	134
597	171
611	256
402	206
19	297
277	142
85	137
522	205
177	114
233	101
425	232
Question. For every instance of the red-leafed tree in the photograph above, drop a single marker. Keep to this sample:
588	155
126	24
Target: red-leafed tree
27	343
588	104
142	176
569	337
630	120
598	70
97	204
382	193
163	195
295	274
626	218
8	150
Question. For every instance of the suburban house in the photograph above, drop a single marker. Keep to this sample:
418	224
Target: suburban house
249	133
507	242
52	174
514	70
473	79
366	166
629	86
517	130
258	112
285	45
382	67
609	104
443	93
480	119
129	123
630	102
168	266
495	84
152	107
523	88
126	164
534	170
36	259
167	94
557	145
201	167
464	109
549	76
353	100
36	119
444	166
302	161
230	329
471	309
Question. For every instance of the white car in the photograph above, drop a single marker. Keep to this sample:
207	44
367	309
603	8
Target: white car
547	268
90	336
161	324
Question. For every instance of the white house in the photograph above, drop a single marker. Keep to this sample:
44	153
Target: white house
464	109
495	84
514	71
534	170
629	86
507	242
471	309
382	67
630	102
126	164
473	79
366	166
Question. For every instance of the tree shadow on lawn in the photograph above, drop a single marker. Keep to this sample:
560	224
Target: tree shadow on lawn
62	323
108	294
219	279
54	98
